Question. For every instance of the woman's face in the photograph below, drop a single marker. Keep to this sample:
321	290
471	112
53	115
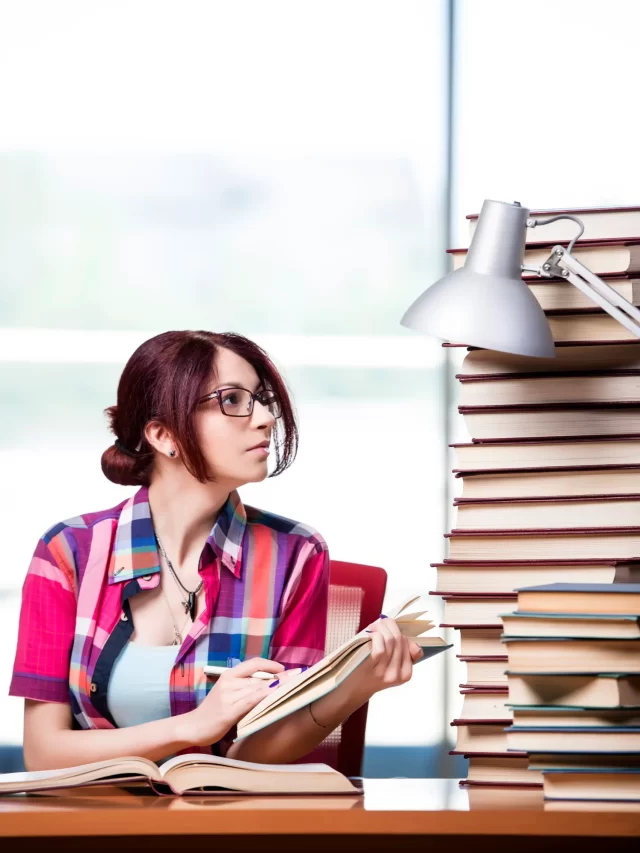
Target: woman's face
228	442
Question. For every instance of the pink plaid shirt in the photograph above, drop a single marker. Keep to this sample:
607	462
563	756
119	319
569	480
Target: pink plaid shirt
266	582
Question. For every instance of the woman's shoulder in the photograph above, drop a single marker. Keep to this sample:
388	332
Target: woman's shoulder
282	524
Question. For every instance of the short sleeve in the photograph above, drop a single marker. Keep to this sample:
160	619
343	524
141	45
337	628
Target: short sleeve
301	630
47	625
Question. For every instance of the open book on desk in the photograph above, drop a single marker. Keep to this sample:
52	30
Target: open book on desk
187	774
323	677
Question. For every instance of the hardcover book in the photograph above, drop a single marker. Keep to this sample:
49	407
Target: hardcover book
187	774
604	257
461	577
608	356
600	223
598	690
552	453
584	543
568	421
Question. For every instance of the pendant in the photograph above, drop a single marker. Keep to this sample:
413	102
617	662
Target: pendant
192	605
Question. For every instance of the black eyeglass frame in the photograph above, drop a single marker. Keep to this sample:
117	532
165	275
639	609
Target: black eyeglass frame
259	396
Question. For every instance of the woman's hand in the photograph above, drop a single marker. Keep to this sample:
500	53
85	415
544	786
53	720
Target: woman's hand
233	695
391	660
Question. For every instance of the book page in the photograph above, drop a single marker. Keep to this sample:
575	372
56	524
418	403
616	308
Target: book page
308	693
297	681
215	760
129	766
302	682
394	612
35	776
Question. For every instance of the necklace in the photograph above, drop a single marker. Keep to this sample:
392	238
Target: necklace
190	603
177	633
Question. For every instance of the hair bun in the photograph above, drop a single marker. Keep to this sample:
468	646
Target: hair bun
121	468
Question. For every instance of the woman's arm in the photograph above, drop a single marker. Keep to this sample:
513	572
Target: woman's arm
51	743
292	737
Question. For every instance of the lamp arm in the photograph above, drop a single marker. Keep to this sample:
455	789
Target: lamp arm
532	223
563	264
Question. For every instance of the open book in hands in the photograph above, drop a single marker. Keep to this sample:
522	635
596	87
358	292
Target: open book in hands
187	774
300	690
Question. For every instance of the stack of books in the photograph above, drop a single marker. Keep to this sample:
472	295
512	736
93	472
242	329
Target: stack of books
550	481
574	689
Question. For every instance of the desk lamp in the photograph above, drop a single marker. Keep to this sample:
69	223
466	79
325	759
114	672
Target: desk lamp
487	304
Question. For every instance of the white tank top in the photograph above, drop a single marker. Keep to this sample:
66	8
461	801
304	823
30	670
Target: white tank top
138	689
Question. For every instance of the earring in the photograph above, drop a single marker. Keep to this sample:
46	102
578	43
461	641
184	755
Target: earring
172	453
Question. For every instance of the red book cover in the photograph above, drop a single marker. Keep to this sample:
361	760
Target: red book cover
556	499
615	276
513	753
543	244
485	690
482	657
488	722
551	407
543	531
476	595
471	688
556	439
573	211
632	339
467	783
542	469
466	378
482	564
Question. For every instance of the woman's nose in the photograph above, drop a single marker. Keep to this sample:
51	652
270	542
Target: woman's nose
261	415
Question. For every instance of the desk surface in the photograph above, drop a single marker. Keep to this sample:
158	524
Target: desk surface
389	807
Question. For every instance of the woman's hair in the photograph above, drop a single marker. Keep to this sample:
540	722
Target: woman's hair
163	381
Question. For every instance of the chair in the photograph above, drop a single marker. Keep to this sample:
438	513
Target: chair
356	593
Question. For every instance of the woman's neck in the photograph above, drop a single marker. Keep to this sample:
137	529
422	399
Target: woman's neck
183	514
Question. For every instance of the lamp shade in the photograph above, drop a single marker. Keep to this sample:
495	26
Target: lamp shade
486	303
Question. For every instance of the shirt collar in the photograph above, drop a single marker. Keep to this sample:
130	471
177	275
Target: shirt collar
135	554
227	534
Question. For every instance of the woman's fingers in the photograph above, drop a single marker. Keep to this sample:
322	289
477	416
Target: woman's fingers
397	659
416	652
237	685
248	667
288	673
397	649
406	669
249	694
378	649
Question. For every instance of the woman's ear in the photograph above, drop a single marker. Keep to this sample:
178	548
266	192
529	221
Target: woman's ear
160	438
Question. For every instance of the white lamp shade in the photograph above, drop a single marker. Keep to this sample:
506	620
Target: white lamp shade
486	303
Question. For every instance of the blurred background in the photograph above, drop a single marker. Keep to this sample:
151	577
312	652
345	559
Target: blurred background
291	170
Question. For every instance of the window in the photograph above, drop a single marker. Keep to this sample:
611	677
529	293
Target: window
274	170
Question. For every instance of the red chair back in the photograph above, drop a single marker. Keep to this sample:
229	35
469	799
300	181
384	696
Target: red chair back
356	593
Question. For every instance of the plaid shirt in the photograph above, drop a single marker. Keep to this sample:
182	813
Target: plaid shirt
266	582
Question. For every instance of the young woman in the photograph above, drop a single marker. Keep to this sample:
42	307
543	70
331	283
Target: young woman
122	608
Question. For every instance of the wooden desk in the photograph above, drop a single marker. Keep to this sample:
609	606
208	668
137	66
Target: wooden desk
400	814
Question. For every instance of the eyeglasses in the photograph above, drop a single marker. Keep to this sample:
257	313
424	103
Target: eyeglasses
238	402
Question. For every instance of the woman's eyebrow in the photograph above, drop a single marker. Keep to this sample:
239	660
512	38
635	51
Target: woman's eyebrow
237	385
